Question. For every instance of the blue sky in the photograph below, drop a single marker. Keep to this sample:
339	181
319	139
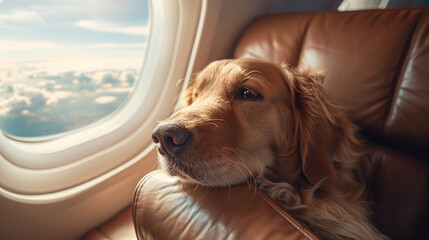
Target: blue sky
65	64
79	26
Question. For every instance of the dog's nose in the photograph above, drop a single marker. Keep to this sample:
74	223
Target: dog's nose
172	138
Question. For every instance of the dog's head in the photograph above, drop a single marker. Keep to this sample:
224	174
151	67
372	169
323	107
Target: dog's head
241	116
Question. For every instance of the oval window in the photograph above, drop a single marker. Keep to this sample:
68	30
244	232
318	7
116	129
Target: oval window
66	64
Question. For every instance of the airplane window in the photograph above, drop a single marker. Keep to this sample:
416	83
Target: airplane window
66	64
352	5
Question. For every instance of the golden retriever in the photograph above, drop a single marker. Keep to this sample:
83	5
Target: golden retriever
246	119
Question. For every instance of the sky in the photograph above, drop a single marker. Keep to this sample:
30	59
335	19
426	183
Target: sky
65	64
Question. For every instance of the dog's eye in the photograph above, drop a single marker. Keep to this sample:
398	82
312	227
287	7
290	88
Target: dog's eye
249	94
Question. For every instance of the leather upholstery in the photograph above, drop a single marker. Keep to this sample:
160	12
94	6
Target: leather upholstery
361	53
377	67
165	209
399	184
412	92
120	227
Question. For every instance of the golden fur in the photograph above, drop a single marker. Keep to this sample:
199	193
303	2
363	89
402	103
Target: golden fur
253	120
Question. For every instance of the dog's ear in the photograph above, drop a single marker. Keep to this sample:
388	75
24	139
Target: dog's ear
315	125
189	93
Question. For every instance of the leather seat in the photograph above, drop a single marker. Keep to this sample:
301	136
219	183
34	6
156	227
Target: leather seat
120	227
376	65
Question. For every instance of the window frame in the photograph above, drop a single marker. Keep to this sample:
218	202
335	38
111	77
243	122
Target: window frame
67	164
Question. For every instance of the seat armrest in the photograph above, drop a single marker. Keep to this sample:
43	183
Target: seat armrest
164	208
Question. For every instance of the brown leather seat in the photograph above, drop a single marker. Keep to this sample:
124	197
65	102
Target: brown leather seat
166	209
120	227
377	66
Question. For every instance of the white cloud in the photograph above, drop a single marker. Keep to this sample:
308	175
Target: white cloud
105	99
20	69
44	83
28	97
42	96
56	96
7	45
117	45
115	90
107	85
97	77
65	57
21	16
26	112
107	27
16	101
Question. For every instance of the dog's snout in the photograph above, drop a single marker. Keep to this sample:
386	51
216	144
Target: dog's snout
172	138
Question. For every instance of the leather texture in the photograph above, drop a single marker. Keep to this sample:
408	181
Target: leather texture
166	209
400	190
361	54
412	92
120	227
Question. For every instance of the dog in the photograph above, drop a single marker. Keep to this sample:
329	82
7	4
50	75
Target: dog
249	120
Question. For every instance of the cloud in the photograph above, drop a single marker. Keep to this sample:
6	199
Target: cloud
28	97
43	103
20	69
128	78
21	16
26	112
45	83
7	45
111	79
117	45
14	102
95	25
105	99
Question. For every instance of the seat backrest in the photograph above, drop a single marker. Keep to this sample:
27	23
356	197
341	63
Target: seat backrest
376	64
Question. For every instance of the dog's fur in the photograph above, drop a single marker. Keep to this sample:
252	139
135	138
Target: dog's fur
251	119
